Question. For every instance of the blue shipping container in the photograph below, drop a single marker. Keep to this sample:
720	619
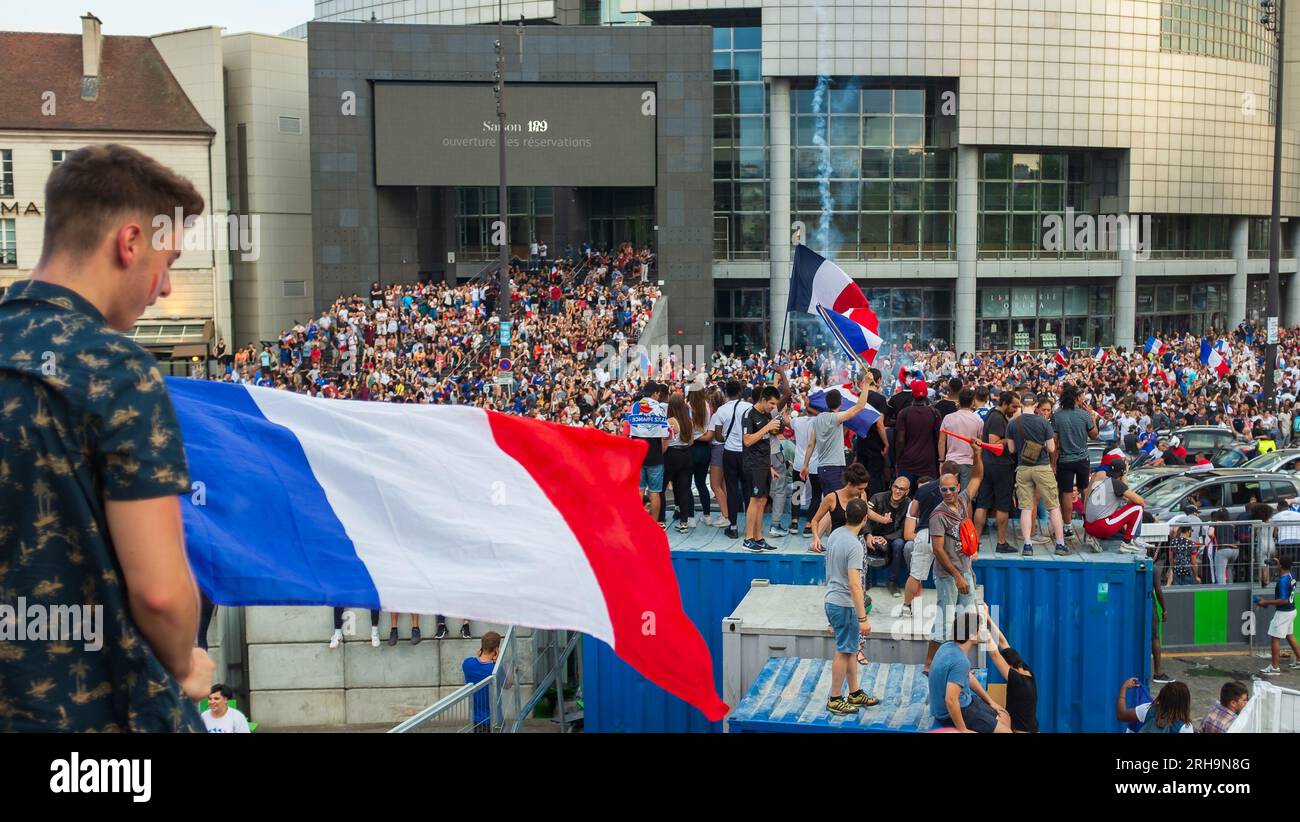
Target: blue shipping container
618	699
1082	623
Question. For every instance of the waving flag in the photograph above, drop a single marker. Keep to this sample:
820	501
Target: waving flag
849	330
1210	356
1062	356
1155	346
1222	346
1099	355
433	509
815	280
904	378
859	423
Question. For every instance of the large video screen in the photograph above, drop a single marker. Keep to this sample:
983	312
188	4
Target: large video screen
445	134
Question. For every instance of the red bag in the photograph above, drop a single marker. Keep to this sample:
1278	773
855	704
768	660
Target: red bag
970	540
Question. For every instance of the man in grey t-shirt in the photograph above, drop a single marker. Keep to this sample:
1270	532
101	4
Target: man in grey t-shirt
1033	442
827	439
1074	423
846	608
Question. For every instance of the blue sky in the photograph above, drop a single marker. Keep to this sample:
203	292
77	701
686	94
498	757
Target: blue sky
131	17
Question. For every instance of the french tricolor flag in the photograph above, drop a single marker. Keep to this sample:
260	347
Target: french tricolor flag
815	280
1211	356
1099	355
1155	346
433	509
1062	356
851	332
861	422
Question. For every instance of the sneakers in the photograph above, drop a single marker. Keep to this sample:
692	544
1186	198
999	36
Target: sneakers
1295	665
392	637
776	532
1271	671
752	545
807	530
766	546
1142	544
1041	539
731	533
374	636
1162	679
1061	550
1068	533
721	522
861	697
441	633
1027	551
905	612
1004	548
1131	548
681	527
415	635
335	639
464	631
840	705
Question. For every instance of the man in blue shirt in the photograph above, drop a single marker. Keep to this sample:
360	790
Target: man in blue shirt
1282	625
477	669
953	686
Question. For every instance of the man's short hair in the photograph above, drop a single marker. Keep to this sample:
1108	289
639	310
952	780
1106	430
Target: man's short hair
100	183
965	397
226	691
875	375
833	399
1005	398
1230	692
733	389
954	385
965	624
491	642
771	392
855	511
949	467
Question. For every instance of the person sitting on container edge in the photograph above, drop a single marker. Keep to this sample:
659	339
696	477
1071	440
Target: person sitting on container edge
952	682
954	581
1233	697
845	599
1022	688
1282	625
477	669
220	718
1169	713
1112	507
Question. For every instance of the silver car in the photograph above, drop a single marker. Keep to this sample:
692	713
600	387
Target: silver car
1287	459
1231	488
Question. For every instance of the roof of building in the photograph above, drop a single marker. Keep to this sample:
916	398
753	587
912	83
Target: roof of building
137	91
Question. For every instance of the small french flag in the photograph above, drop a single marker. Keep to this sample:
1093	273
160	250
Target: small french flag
1062	356
1155	346
1211	356
851	332
904	378
1099	355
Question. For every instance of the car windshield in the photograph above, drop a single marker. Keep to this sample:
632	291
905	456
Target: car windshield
1228	458
1171	491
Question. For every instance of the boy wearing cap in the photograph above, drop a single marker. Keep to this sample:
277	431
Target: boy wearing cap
1112	507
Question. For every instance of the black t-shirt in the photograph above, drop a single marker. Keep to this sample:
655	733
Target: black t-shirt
757	457
945	407
376	294
880	503
895	404
996	424
1022	701
871	443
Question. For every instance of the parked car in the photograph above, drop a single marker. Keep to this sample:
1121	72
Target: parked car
1284	460
1234	455
1146	480
1231	488
1205	438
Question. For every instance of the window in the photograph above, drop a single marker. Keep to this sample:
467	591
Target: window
740	144
58	155
8	242
6	172
1242	492
290	125
294	288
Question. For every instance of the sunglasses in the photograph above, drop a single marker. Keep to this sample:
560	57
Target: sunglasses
949	489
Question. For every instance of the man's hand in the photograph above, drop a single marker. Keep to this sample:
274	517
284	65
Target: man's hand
198	684
1132	682
774	474
963	587
864	628
803	473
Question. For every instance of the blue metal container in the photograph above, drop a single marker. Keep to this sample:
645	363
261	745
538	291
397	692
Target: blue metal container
618	699
1082	624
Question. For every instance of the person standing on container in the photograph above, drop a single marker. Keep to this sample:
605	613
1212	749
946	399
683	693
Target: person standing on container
827	438
846	609
954	581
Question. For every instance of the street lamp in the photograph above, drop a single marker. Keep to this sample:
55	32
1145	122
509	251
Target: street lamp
1272	16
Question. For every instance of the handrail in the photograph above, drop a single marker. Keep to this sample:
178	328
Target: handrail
462	693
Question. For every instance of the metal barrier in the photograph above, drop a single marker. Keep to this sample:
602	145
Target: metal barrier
499	696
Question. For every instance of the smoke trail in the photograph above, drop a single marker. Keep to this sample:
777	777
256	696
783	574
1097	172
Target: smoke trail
821	136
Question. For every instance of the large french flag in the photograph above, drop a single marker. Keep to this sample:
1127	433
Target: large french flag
851	332
1210	356
433	509
861	422
815	280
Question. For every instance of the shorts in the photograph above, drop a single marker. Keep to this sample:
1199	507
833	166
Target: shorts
1040	479
977	715
920	557
758	482
715	454
844	620
652	478
831	477
1282	625
1071	476
995	489
947	600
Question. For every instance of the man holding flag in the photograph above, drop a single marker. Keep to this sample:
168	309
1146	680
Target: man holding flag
827	438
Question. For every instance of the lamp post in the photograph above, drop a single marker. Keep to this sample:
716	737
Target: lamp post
503	257
1272	16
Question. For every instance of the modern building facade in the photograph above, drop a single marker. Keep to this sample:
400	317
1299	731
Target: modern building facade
931	147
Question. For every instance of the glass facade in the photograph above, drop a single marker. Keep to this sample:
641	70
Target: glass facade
1018	190
868	157
740	145
740	317
1191	236
1227	29
529	210
621	215
1170	308
1028	317
1257	246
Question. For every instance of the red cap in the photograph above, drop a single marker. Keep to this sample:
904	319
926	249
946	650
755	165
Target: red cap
920	389
1111	455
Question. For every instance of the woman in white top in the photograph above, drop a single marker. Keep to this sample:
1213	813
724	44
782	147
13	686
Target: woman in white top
701	452
678	460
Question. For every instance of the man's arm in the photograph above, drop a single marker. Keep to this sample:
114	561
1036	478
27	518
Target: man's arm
976	473
1122	712
880	430
983	694
909	521
845	416
149	541
936	542
808	452
951	700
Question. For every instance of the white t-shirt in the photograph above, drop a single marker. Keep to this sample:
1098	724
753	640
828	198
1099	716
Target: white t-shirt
802	426
721	418
1141	712
231	722
1288	532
